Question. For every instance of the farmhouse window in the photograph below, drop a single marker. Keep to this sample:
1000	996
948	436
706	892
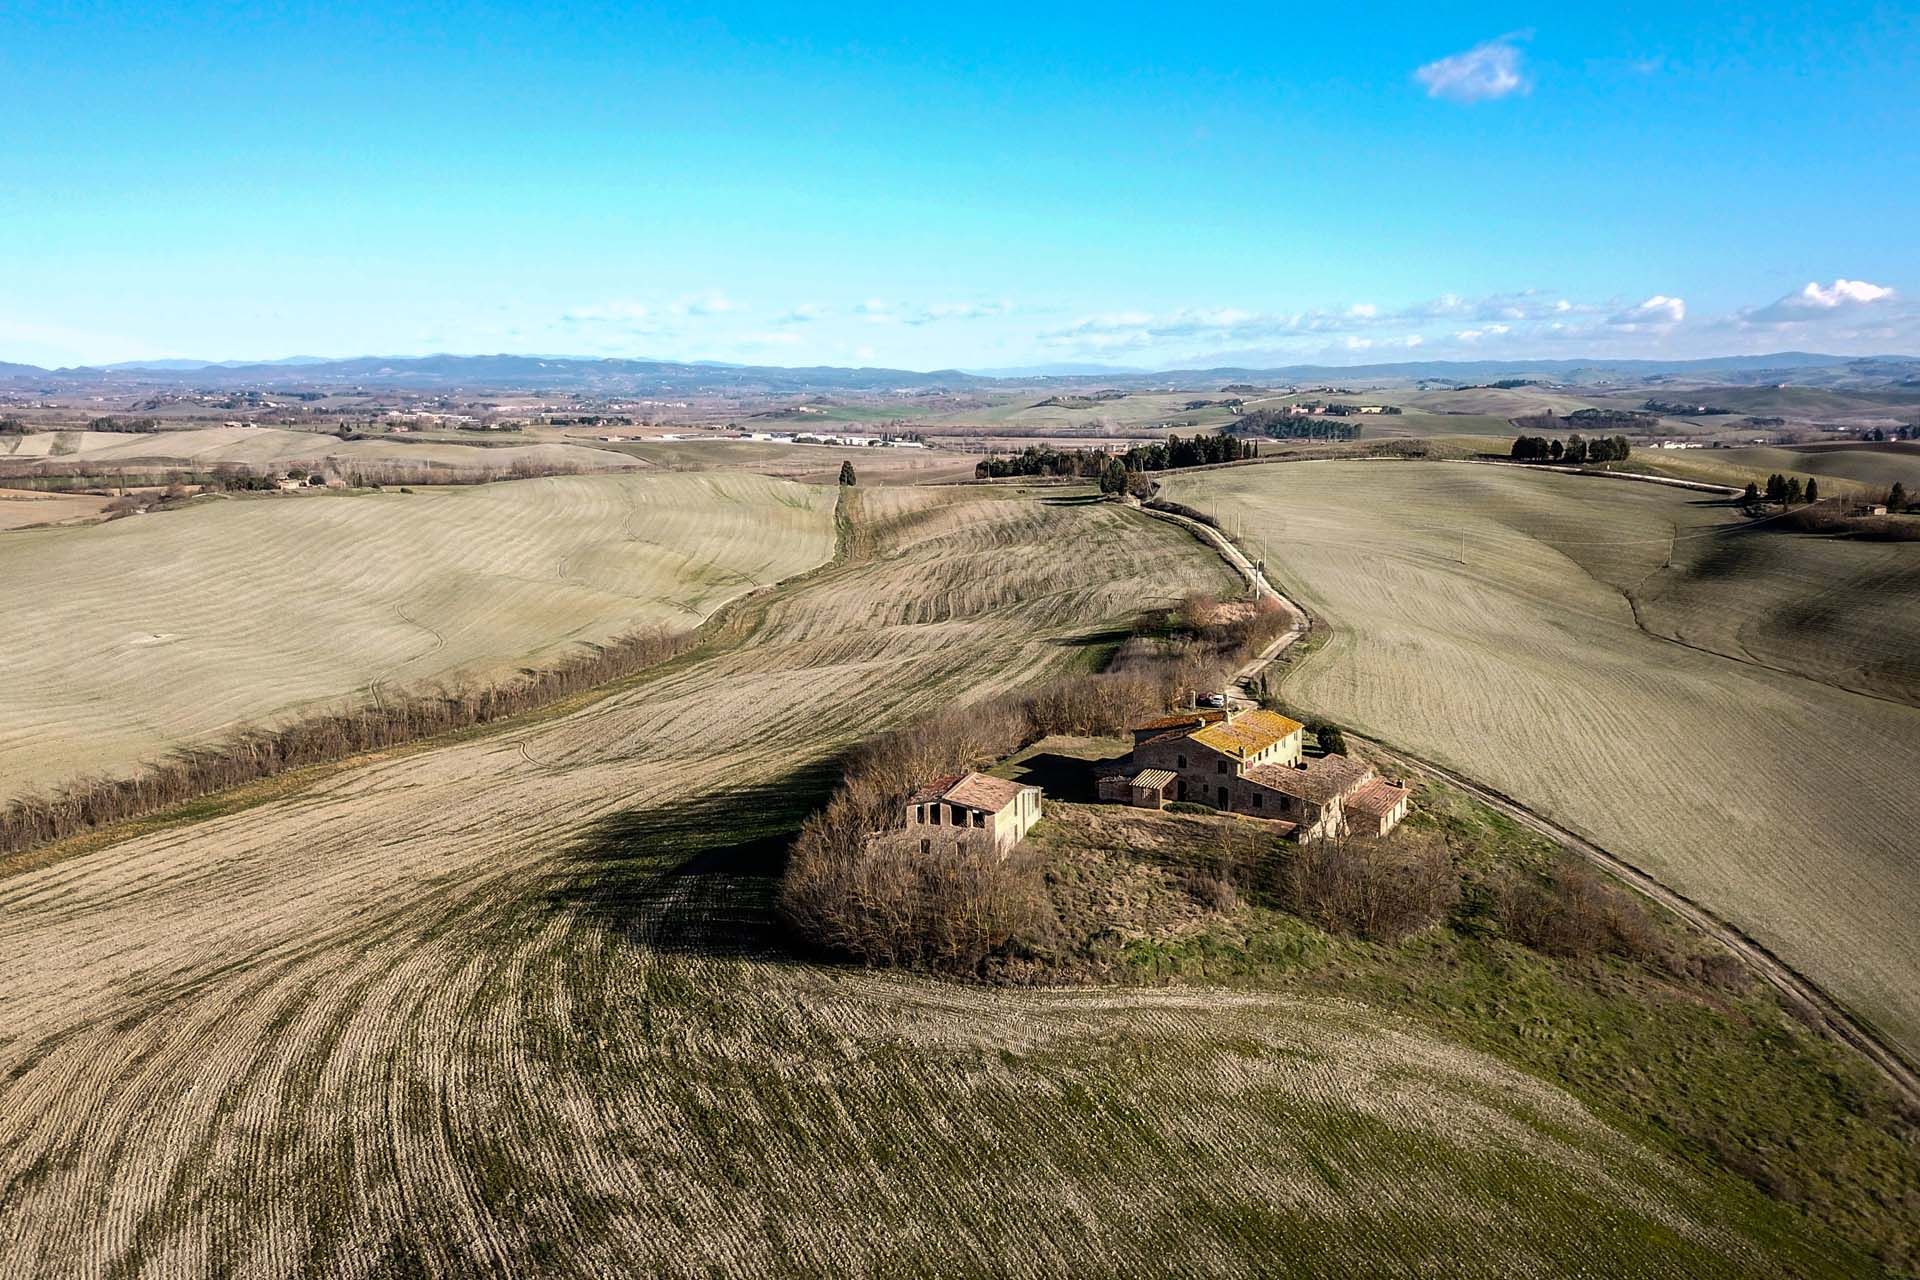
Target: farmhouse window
1256	800
1219	766
936	814
926	846
979	819
1182	760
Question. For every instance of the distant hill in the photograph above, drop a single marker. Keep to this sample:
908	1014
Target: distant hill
494	371
639	376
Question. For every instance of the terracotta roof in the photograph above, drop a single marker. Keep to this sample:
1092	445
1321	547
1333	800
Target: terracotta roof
1152	779
1248	733
1324	779
935	790
1377	796
1197	718
971	791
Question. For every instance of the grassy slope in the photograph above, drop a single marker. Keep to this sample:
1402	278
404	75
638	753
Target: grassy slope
175	627
1858	469
512	1006
1722	1077
1782	801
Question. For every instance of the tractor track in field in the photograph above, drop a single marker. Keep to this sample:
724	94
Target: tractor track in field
1805	995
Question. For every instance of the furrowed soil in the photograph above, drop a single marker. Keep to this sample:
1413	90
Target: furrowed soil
1728	708
175	628
202	448
516	1006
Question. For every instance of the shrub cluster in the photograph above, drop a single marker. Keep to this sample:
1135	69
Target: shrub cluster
857	886
1370	888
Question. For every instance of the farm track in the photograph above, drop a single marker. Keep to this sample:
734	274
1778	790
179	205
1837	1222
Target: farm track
1827	1013
516	1006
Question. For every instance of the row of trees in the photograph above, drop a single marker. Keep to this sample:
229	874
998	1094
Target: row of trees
1575	452
1909	432
1784	489
254	754
1277	424
1113	469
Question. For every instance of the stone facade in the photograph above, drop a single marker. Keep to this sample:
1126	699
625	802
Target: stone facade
963	806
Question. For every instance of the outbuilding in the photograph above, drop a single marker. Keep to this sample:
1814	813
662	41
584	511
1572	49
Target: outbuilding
965	805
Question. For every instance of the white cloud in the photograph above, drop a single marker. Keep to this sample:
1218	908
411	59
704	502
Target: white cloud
1486	71
1657	312
805	313
711	303
957	311
622	312
1363	311
1817	300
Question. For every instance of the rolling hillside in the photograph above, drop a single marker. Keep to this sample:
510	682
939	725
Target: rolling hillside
511	1006
1485	618
174	628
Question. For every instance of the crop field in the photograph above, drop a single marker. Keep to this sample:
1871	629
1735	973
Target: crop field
179	626
20	508
205	447
1486	619
1140	413
804	463
512	1006
1866	468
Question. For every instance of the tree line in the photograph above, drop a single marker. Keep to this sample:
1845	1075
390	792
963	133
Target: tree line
1277	424
253	754
1783	489
1575	452
1175	452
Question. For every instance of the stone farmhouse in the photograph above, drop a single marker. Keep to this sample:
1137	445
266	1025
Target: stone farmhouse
961	806
1250	762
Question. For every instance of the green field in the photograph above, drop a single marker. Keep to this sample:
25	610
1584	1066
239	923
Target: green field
177	627
1485	618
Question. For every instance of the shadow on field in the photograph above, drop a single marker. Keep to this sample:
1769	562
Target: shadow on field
698	876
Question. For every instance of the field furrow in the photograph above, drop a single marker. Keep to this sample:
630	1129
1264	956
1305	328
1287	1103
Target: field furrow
516	1006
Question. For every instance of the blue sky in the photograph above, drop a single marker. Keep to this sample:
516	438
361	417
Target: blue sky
974	185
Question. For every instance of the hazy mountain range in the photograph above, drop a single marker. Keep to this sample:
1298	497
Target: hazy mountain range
642	376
